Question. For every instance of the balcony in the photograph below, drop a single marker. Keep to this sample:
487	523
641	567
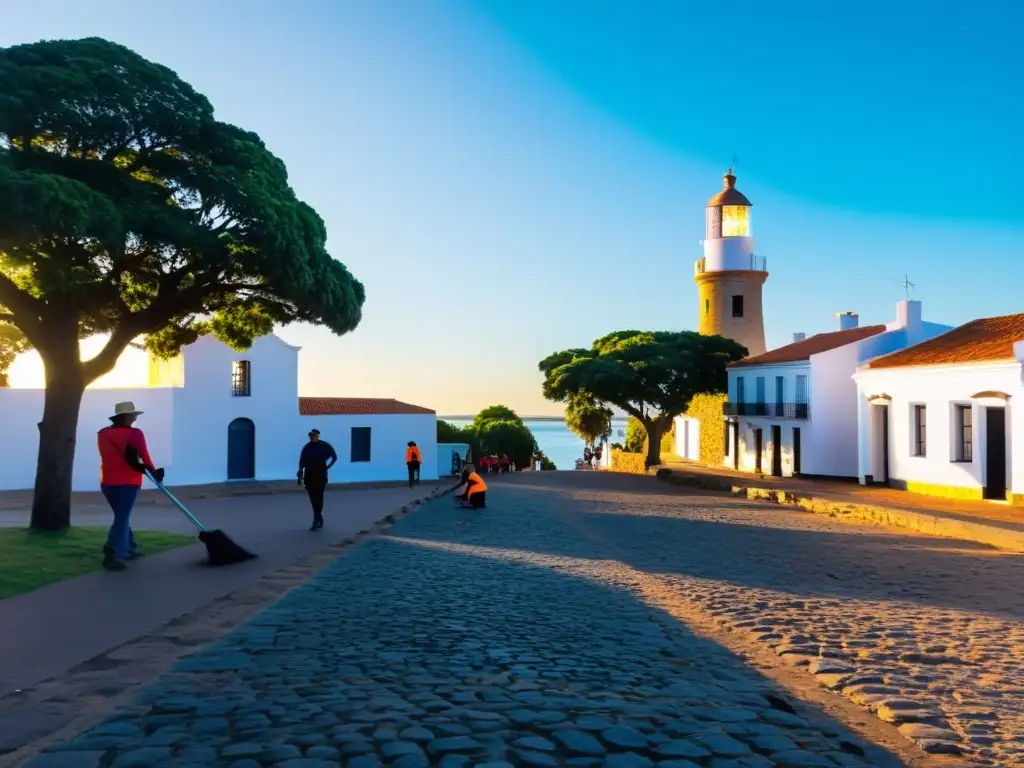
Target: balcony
768	410
753	262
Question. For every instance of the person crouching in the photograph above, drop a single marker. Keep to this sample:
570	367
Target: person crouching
476	489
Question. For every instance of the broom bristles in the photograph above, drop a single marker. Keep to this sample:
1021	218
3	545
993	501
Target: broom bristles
221	550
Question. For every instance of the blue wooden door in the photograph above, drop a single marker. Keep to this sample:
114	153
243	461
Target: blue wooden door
241	450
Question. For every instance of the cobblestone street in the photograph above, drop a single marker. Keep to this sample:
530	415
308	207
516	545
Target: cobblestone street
558	628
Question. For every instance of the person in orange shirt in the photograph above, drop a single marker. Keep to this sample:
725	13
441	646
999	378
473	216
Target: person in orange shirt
476	489
124	458
413	460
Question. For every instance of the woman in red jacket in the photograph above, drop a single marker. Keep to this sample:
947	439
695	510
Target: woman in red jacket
123	459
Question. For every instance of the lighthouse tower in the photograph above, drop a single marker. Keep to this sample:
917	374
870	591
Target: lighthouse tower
730	276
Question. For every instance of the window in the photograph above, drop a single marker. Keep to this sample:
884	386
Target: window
737	306
740	393
707	306
240	380
735	221
360	444
920	430
801	396
780	395
762	410
965	433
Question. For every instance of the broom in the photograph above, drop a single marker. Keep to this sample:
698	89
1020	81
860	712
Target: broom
220	549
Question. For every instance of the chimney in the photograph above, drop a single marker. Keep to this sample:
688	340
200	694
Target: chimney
799	337
847	320
908	315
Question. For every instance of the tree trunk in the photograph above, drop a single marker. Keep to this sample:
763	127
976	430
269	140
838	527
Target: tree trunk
65	385
654	431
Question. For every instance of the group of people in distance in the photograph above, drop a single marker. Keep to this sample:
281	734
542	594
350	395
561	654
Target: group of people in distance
495	464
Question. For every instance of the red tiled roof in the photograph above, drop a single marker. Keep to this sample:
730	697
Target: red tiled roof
987	340
802	350
356	406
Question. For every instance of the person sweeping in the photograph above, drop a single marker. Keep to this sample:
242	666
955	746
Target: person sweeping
316	458
476	489
124	458
413	460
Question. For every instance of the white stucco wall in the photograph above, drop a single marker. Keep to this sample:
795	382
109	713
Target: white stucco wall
22	409
388	438
686	441
728	253
939	388
828	438
205	407
751	422
186	423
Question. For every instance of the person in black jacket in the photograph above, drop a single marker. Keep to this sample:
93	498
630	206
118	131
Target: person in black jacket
316	458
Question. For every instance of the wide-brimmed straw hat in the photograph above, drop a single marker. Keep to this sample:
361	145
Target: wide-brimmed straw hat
126	408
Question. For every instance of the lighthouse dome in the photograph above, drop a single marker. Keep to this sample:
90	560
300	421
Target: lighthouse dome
729	195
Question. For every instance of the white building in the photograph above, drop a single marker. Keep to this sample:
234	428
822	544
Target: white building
793	410
214	415
944	417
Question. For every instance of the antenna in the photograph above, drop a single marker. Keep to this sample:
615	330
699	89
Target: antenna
905	284
733	164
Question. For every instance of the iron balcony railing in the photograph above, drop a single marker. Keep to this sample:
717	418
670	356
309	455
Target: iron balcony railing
756	264
773	410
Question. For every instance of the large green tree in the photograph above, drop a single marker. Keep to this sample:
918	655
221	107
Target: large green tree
495	413
651	375
508	437
588	418
130	211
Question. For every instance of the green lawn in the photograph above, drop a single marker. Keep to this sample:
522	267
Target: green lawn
29	560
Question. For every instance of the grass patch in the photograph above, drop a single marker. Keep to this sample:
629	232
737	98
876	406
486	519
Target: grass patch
31	559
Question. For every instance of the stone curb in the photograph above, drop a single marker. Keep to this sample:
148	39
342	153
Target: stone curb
920	521
153	497
283	580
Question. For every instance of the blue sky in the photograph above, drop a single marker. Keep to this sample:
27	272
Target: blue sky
511	177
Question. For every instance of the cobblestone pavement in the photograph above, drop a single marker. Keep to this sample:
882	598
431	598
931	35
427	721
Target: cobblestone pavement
927	633
498	638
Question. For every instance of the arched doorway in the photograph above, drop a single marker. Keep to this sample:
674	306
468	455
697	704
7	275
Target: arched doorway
241	450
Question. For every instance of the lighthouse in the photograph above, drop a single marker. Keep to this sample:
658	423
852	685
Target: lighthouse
730	275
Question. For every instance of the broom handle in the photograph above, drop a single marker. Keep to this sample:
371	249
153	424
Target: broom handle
178	504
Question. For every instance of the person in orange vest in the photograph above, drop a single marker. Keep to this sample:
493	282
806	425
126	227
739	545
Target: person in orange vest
413	460
124	458
476	489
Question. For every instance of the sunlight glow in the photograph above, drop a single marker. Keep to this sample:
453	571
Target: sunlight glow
735	221
131	371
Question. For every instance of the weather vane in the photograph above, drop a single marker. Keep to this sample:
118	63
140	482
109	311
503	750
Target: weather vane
905	284
732	165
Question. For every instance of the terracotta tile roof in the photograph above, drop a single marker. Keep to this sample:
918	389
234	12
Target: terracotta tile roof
987	340
802	350
356	406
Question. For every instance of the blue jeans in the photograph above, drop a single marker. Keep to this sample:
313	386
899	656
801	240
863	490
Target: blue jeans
121	499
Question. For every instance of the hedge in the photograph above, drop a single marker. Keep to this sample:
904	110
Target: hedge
623	461
707	409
